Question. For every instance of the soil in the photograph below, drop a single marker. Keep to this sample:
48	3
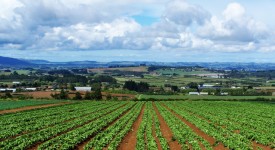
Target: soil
166	132
208	138
255	145
30	108
130	140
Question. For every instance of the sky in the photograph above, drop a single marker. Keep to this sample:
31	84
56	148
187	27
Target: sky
144	30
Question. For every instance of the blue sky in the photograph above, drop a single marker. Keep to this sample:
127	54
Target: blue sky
145	30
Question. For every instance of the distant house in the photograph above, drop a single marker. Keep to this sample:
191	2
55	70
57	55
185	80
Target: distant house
194	93
183	87
198	93
85	89
30	89
203	93
224	93
16	82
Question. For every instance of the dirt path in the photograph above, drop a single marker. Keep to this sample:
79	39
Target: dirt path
208	138
166	132
130	140
31	107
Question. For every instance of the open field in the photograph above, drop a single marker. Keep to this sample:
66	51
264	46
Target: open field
142	125
11	104
132	69
201	97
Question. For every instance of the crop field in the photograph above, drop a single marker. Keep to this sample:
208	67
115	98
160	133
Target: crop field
128	125
201	97
11	104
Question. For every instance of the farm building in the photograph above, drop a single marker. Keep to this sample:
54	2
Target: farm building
30	89
86	89
224	93
16	82
194	93
203	93
8	90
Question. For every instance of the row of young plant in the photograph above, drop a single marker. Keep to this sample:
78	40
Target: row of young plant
104	138
32	115
181	132
229	139
163	142
27	140
63	114
78	135
116	141
237	117
145	138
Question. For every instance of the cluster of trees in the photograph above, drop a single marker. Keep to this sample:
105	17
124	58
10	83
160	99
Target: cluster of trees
138	87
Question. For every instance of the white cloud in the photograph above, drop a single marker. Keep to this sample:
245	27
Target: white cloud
103	25
87	36
234	26
183	13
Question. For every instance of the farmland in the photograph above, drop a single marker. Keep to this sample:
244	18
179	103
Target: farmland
7	104
141	125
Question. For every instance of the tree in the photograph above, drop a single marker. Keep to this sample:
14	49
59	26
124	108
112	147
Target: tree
97	94
192	85
108	96
174	88
64	94
77	96
88	96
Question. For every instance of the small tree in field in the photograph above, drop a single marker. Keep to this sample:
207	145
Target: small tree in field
77	96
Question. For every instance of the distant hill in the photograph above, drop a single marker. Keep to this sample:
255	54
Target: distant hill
7	61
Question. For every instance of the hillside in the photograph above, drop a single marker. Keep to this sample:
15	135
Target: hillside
7	61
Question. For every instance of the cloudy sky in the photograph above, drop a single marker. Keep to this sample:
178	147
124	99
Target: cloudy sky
143	30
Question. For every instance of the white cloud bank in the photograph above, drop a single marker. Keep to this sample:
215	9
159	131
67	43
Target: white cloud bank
101	25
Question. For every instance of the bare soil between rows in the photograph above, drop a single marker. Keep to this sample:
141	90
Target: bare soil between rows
166	131
208	138
130	140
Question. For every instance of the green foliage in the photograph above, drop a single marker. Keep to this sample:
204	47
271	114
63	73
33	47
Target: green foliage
77	96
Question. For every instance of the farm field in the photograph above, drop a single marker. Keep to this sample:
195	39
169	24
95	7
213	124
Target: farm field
142	125
200	97
11	104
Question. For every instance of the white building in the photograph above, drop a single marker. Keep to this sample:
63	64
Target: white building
194	93
85	89
8	90
203	93
16	82
30	89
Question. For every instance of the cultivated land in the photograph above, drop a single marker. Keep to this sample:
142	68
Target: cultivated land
141	125
8	104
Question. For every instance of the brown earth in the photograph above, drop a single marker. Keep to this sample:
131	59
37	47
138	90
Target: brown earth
208	138
130	140
166	132
30	108
255	145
